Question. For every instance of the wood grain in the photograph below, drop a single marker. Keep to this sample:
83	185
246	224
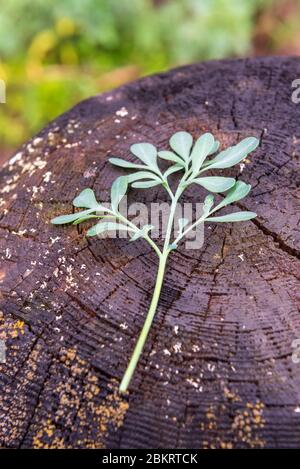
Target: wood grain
217	370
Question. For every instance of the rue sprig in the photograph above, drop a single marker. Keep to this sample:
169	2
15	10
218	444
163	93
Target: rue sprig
192	160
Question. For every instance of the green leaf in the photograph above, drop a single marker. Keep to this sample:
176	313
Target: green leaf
118	190
170	156
88	217
209	200
146	184
201	150
231	217
214	148
146	152
142	175
215	183
102	227
181	143
86	199
63	219
237	192
233	155
208	203
125	164
85	218
172	169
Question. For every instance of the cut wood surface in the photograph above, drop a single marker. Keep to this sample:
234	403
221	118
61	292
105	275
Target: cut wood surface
217	369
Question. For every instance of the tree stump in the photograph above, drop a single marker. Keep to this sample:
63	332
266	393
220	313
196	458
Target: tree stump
217	370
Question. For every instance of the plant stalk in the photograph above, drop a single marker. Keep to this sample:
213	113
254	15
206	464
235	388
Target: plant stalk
163	256
147	325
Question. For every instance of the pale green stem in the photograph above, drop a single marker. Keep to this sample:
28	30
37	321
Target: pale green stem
163	256
196	223
152	310
191	227
170	223
146	328
153	245
136	229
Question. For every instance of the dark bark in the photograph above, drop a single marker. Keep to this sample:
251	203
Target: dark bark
217	368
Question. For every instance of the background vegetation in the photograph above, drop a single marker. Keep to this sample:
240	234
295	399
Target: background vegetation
55	53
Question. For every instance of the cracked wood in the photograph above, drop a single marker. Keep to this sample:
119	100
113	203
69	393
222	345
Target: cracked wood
217	369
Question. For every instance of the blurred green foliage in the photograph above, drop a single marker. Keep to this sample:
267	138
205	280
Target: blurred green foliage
55	53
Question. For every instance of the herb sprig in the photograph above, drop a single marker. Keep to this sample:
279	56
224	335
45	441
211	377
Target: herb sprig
192	159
